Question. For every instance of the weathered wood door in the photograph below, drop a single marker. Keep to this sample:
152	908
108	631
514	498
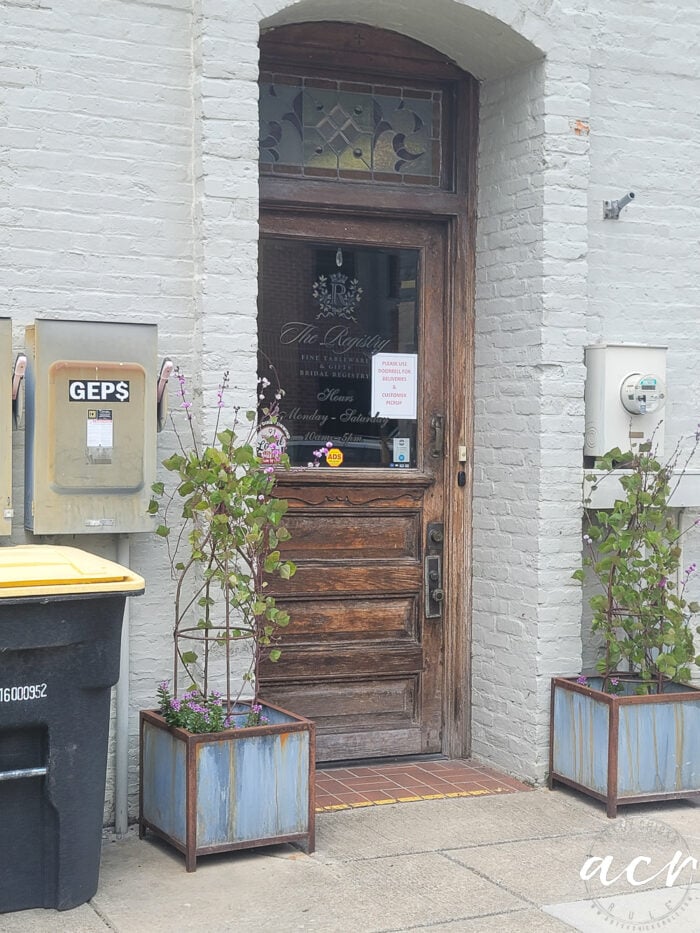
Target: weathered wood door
352	311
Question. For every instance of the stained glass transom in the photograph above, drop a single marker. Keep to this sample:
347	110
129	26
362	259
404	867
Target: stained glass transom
322	128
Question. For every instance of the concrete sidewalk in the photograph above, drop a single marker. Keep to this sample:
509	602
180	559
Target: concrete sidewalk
498	864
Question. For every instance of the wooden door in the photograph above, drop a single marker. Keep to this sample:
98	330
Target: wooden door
363	655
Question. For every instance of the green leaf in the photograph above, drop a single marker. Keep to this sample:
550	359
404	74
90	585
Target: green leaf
189	657
175	462
271	561
579	575
275	654
163	531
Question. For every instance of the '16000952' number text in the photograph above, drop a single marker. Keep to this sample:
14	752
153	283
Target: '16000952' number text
26	692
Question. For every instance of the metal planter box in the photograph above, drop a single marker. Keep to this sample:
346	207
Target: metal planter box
228	790
625	749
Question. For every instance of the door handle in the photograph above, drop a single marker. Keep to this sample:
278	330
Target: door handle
437	430
432	586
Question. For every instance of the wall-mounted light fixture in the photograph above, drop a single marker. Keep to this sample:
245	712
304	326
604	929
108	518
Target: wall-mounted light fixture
611	209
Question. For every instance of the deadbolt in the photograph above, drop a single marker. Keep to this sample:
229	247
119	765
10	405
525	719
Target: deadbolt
435	536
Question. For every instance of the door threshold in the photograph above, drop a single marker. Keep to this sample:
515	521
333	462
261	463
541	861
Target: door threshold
379	762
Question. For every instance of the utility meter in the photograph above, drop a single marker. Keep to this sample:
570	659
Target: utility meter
91	422
625	396
5	426
643	394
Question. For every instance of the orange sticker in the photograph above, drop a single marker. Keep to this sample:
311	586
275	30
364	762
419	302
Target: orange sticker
334	457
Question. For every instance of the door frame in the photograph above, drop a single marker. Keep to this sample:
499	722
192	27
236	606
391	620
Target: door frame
350	50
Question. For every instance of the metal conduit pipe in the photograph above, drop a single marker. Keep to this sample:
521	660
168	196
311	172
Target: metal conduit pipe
121	756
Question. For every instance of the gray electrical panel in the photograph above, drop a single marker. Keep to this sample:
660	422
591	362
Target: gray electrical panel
91	426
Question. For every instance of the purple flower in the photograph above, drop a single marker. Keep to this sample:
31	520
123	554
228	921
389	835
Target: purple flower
583	680
662	583
614	681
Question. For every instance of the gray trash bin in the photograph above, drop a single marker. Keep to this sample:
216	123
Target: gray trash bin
61	615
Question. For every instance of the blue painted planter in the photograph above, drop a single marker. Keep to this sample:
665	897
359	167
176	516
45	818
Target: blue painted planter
625	749
228	790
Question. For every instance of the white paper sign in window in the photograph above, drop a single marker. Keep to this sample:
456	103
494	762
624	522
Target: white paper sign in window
394	385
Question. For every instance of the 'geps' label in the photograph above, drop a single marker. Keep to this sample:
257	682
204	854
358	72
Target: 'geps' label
98	390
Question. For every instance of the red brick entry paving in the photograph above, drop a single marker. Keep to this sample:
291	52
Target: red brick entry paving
349	787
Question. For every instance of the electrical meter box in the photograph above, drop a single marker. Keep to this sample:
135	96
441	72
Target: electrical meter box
625	397
90	427
5	426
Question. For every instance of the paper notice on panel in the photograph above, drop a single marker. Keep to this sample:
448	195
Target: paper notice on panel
100	435
394	385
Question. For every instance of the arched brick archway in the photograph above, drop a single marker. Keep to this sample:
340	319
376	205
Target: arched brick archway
531	249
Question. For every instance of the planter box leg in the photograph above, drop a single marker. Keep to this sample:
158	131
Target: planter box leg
308	845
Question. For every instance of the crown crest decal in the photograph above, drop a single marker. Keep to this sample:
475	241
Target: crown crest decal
337	296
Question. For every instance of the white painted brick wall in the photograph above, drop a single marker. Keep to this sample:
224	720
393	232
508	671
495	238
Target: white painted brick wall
530	324
96	218
644	269
128	191
509	284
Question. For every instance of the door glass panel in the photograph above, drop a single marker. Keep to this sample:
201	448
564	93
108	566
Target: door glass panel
325	310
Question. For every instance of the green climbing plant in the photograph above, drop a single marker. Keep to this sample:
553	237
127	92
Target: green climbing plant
633	551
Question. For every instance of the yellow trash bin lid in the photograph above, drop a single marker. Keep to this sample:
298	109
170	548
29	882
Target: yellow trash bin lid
50	570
